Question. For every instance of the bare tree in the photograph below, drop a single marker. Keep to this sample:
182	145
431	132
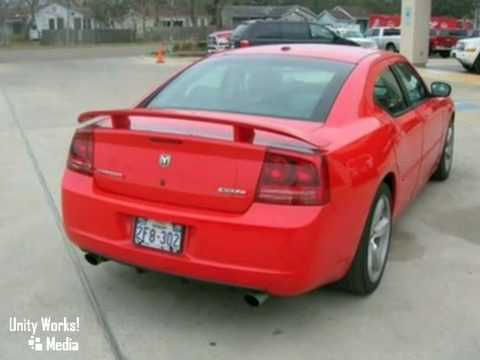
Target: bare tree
218	8
3	16
142	7
108	12
32	6
193	12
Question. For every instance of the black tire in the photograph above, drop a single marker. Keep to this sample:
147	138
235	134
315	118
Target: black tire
445	54
476	66
391	47
358	281
444	168
468	68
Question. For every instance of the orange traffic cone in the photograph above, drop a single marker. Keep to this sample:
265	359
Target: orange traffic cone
161	56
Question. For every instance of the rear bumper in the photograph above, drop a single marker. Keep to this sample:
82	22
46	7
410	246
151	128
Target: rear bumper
277	249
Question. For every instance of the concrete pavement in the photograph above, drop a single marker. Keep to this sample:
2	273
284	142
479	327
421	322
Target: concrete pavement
426	308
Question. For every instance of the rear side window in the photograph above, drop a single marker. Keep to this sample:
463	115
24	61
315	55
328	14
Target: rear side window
391	32
297	31
415	89
275	86
321	33
268	31
389	95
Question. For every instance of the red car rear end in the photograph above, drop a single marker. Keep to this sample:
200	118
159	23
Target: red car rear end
443	41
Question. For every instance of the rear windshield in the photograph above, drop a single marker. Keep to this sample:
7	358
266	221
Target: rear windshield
275	86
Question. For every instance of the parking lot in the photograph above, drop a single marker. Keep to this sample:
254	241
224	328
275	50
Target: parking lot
426	308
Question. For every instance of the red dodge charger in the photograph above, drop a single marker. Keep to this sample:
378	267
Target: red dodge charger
278	168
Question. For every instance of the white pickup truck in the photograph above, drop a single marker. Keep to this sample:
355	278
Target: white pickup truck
387	38
467	53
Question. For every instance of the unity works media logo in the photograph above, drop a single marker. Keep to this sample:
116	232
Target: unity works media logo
35	343
59	342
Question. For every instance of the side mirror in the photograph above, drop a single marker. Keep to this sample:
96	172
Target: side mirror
441	89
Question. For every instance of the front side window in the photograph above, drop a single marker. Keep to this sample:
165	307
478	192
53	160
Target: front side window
274	86
388	94
373	32
415	88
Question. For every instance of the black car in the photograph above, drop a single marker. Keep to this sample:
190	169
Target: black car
268	32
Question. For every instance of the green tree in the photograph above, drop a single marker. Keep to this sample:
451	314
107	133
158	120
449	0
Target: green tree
457	8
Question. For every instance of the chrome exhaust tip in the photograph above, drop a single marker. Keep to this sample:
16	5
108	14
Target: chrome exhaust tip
94	259
255	299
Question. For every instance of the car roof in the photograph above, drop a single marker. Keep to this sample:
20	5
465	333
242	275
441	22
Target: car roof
279	21
342	53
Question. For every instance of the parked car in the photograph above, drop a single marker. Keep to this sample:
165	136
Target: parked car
265	32
218	41
474	33
387	38
443	41
467	53
357	37
277	168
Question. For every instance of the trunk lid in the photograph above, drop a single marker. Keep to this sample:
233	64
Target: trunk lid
164	160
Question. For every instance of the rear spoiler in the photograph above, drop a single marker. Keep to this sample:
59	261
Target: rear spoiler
244	130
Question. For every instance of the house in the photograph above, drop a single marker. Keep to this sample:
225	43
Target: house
14	24
162	17
60	15
345	16
232	15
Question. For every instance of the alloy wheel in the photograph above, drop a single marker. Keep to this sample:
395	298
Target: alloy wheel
379	240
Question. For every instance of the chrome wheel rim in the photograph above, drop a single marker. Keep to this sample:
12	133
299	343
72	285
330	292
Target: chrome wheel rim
448	155
379	240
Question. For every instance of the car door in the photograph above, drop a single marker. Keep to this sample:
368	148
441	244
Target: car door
407	129
430	110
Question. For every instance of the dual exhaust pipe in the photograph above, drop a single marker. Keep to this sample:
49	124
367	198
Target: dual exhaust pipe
94	259
254	299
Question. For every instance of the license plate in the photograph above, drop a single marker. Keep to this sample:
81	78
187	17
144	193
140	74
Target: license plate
158	235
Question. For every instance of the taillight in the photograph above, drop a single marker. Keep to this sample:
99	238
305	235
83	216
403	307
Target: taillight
80	158
244	43
290	180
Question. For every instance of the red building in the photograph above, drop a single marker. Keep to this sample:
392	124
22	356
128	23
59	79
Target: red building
437	22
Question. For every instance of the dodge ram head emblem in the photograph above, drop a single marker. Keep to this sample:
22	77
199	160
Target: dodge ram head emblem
165	160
